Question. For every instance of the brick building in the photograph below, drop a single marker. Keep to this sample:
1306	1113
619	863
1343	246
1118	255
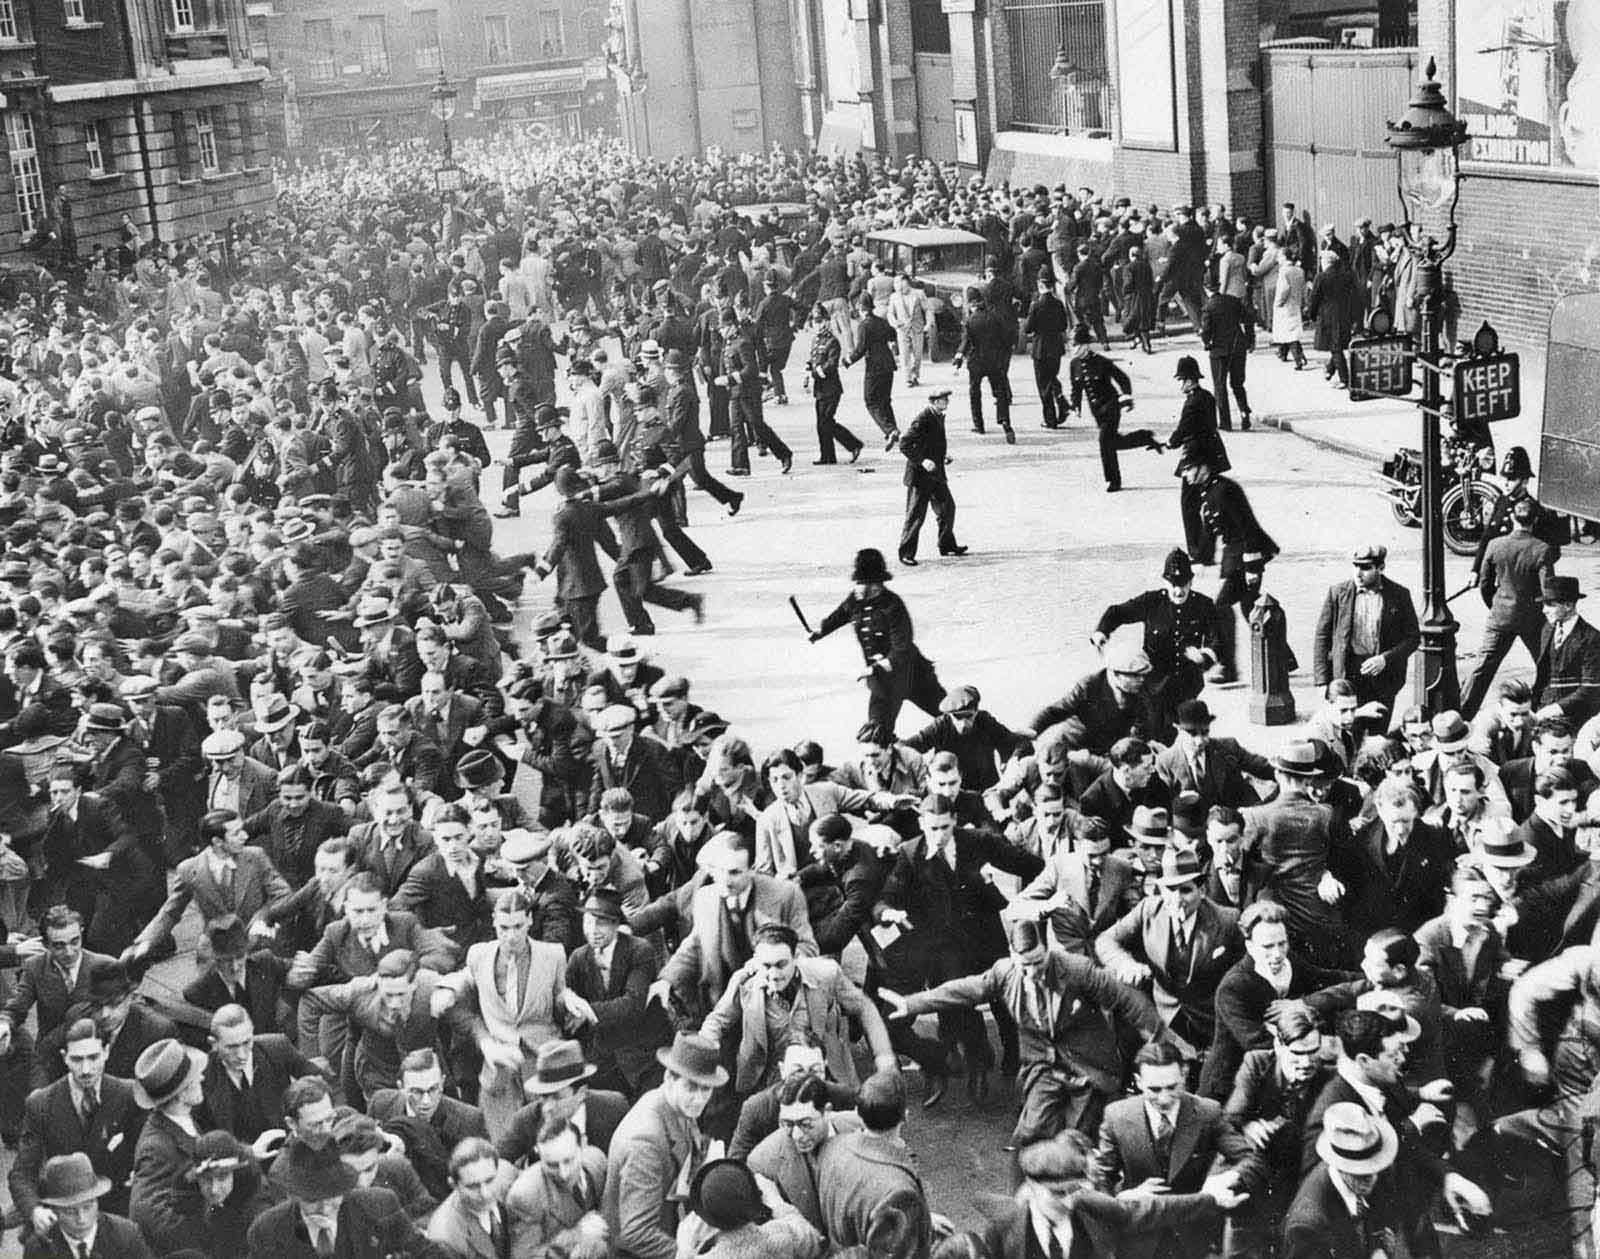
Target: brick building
149	108
359	71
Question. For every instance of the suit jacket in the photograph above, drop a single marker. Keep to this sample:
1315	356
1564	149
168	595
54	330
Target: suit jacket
649	1152
1458	990
576	530
1416	1166
1241	1002
1517	778
1512	576
795	1173
371	1225
1319	1224
462	713
1127	1156
649	772
1404	891
52	1125
326	1015
1224	781
783	846
392	863
41	984
602	1110
274	1064
441	902
628	1032
459	1232
482	1011
1398	635
1570	677
1075	924
256	887
114	1238
1145	933
1081	1040
262	995
454	1121
1259	1091
925	439
542	1209
857	1171
142	1028
831	1002
1094	719
160	1200
340	954
1112	1228
258	787
703	963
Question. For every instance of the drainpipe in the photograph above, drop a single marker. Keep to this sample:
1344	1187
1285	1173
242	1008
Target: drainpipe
686	25
140	125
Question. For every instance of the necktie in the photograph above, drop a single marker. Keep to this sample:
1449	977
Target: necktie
226	882
1199	769
91	1103
1094	885
1163	1137
323	1242
80	1250
1056	1252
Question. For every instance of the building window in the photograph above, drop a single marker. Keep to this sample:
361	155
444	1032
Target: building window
425	39
97	147
25	173
1040	101
183	15
372	41
497	39
8	22
319	49
74	12
550	42
205	141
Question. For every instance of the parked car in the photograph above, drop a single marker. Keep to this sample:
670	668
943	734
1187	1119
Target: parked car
944	262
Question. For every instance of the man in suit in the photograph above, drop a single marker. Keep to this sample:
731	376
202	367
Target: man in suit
442	717
1367	631
246	1074
88	1112
559	1089
228	882
1169	1136
1058	1213
785	827
1567	673
352	945
577	529
1395	869
325	1216
446	888
777	993
1083	891
1215	769
1550	832
233	974
126	1025
790	1157
1511	581
1267	975
927	480
875	342
390	1012
236	781
657	1148
858	1171
509	998
49	983
88	848
555	1199
1062	1005
613	972
69	1189
1180	943
1552	747
725	915
988	338
431	1124
1346	1206
402	747
394	843
1465	953
1270	1095
389	648
642	766
1046	326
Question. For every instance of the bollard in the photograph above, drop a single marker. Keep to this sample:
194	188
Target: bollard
1271	702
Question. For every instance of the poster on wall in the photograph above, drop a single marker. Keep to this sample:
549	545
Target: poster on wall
1528	82
966	117
1144	68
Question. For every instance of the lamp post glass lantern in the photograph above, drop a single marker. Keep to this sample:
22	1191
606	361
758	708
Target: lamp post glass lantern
1426	141
442	104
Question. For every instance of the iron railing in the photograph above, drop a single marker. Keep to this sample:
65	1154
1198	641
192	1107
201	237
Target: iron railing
1040	99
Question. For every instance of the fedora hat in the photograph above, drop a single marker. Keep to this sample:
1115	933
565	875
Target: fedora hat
1299	760
163	1070
1388	1005
105	717
1180	866
558	1064
870	566
1193	715
373	610
1501	847
1150	824
1355	1140
1189	814
478	770
312	1175
604	902
276	713
1450	731
69	1180
1559	589
561	645
694	1058
228	937
217	1151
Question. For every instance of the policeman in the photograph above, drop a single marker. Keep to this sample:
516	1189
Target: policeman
1180	633
1196	437
927	481
1109	392
896	669
1246	550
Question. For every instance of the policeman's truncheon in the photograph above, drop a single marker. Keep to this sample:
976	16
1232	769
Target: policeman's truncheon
1271	701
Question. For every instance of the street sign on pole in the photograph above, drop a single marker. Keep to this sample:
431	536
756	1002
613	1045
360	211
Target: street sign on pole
1488	388
1381	367
448	179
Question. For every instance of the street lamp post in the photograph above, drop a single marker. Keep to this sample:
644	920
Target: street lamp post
442	97
1426	140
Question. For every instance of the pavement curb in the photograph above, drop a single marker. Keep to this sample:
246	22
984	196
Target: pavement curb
1348	447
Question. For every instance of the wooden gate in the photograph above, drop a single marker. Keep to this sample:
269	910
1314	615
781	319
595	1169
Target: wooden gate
936	116
1324	119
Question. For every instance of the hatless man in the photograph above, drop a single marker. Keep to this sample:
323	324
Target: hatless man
1511	582
555	1200
789	1158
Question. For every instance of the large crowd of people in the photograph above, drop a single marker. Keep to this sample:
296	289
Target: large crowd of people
505	947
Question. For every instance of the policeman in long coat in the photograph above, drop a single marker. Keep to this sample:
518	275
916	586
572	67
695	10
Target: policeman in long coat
927	480
1180	634
1196	437
897	670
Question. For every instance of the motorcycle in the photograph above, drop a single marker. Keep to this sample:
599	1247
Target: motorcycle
1471	491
